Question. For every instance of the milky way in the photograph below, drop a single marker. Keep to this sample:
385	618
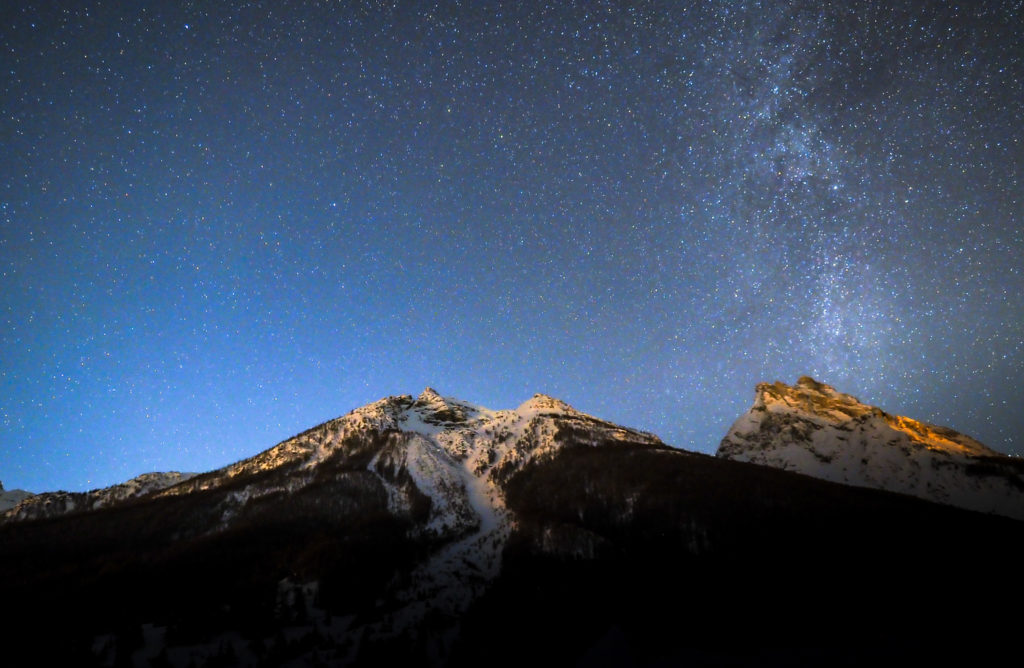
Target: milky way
222	225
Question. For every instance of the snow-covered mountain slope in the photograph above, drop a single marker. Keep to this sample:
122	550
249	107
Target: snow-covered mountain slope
449	456
430	444
436	465
11	497
811	428
50	504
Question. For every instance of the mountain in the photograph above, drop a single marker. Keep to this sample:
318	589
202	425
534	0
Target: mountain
11	497
811	428
419	483
440	464
438	461
432	530
52	504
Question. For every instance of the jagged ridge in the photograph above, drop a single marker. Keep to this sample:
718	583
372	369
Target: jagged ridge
51	504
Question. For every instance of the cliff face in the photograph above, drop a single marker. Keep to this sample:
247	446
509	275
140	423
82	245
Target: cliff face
813	429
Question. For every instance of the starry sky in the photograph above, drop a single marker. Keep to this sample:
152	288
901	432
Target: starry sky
224	223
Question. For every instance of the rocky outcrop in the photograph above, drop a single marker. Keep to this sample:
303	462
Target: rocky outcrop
813	429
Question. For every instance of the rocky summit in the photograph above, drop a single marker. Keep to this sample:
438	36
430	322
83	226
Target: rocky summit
813	429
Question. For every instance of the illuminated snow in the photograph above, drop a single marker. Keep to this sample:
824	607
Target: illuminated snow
812	429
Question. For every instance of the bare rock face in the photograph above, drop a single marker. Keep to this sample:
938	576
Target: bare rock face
813	429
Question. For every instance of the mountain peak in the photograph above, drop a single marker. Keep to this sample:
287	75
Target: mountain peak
811	398
810	383
812	428
429	394
544	403
436	409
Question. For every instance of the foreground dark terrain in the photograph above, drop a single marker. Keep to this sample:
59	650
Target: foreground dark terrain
623	555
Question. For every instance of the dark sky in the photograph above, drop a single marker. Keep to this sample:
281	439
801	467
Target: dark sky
222	225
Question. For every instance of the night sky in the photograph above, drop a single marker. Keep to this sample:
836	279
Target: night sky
221	226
